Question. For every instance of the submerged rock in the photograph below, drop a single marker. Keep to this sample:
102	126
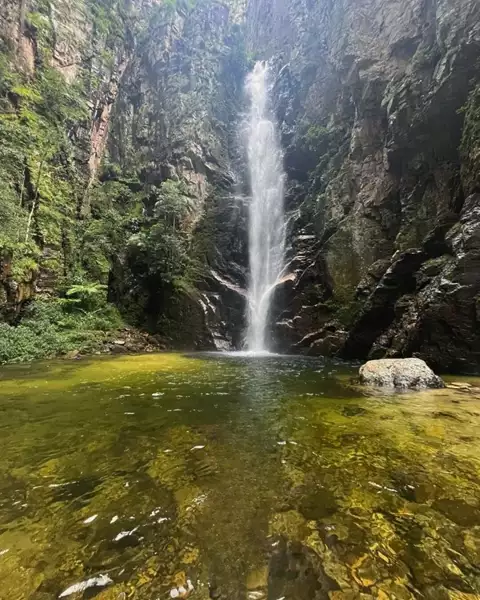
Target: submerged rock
402	373
77	588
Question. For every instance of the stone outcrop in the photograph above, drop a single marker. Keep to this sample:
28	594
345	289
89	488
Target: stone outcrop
378	102
400	373
439	319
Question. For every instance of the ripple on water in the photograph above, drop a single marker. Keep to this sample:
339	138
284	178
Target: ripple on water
245	475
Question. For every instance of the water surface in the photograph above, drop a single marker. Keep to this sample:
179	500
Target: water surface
242	477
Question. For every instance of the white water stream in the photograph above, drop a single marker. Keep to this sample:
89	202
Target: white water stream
266	215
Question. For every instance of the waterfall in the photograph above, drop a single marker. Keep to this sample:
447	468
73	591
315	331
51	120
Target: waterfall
266	216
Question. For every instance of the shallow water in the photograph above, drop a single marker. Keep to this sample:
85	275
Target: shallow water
250	477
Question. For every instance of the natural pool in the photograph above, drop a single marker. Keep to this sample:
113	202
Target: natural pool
142	477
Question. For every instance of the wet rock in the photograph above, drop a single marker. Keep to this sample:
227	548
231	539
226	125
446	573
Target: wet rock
257	580
331	340
379	310
318	503
116	349
459	385
349	595
93	582
404	373
183	589
365	571
290	524
443	414
327	341
214	592
458	511
297	572
353	411
256	595
464	388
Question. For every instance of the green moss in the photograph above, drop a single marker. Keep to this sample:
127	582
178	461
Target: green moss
317	138
323	150
43	181
343	263
345	311
39	190
25	266
470	145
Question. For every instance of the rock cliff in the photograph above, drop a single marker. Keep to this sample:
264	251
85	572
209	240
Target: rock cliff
175	120
378	104
121	163
130	182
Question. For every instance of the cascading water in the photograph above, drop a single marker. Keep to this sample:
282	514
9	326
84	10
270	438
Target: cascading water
266	215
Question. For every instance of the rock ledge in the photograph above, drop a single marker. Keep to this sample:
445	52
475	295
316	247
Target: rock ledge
401	373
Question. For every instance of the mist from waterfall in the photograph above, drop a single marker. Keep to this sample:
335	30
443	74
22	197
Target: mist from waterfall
266	212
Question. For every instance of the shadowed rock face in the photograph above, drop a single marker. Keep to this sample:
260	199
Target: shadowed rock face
176	119
379	103
401	373
161	90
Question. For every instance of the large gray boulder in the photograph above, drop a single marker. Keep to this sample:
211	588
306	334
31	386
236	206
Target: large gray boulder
401	373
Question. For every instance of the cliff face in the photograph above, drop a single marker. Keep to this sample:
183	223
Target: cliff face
119	117
60	67
175	121
378	104
120	164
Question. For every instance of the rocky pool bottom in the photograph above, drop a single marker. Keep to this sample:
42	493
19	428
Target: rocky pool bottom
166	475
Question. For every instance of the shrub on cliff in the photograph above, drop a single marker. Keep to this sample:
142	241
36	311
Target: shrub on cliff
54	327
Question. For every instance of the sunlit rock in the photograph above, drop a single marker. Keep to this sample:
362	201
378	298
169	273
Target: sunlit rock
76	588
402	373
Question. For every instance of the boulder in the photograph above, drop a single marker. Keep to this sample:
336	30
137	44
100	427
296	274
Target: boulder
401	373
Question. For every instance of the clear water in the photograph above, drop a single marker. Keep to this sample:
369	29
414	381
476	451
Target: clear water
266	218
251	477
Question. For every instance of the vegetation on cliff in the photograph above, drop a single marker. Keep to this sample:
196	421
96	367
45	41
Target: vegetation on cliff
44	123
73	211
119	166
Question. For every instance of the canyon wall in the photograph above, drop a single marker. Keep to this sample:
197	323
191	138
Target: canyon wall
378	102
120	122
122	164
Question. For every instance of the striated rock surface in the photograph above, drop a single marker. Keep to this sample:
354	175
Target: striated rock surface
118	125
121	163
401	373
378	102
176	120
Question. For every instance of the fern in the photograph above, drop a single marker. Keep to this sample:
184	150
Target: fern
86	289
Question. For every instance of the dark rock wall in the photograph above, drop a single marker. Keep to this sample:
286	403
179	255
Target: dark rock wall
378	104
176	118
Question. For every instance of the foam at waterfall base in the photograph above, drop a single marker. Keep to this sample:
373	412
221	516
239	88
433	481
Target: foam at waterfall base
251	354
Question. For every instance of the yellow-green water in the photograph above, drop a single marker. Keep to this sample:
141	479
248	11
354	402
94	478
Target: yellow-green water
252	478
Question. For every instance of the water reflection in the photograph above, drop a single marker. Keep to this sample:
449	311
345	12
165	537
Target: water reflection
247	478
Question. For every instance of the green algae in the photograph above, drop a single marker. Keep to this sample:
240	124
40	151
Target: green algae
272	478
